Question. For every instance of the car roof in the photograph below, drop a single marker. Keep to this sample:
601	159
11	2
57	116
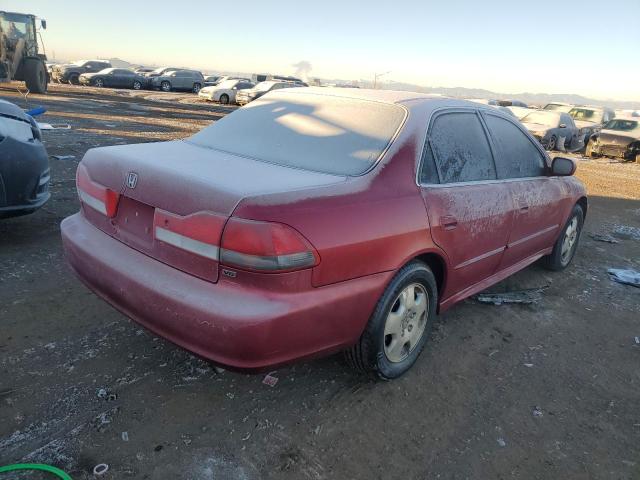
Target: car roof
383	96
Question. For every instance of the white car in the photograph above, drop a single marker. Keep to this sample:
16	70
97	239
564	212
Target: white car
225	92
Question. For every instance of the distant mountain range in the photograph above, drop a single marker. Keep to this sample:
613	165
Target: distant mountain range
458	92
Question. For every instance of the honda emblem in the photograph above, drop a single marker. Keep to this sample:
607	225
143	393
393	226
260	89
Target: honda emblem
132	179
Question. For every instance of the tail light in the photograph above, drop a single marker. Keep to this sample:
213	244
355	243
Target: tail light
265	247
198	233
95	195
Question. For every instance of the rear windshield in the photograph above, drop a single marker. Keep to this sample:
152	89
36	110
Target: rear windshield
341	136
622	125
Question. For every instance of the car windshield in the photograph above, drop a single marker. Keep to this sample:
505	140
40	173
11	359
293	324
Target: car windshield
263	86
556	107
621	125
322	133
548	119
586	114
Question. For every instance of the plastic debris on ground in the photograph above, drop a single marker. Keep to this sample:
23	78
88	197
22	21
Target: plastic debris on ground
637	339
625	276
537	412
625	231
528	296
63	157
125	436
603	238
58	126
270	380
501	442
100	469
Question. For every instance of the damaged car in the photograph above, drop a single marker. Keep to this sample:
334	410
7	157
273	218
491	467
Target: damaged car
318	220
590	120
24	163
554	130
618	138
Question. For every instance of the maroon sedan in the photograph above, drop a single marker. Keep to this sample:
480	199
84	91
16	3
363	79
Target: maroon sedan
319	220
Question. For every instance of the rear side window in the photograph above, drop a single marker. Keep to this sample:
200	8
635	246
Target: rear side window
461	149
516	156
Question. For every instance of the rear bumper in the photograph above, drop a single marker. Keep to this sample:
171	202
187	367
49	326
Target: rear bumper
24	177
230	324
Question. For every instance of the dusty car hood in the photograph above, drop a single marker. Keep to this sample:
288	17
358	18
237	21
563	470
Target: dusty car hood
536	128
615	137
584	123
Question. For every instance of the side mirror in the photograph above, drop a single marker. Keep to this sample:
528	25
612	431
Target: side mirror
562	167
43	23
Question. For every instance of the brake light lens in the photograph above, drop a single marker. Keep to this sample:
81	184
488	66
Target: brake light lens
95	195
198	233
265	247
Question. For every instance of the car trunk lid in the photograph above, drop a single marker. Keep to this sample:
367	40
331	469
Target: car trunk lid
175	197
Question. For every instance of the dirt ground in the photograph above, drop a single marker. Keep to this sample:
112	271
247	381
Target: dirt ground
543	391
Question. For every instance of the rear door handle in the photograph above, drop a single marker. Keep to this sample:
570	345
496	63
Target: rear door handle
523	206
448	222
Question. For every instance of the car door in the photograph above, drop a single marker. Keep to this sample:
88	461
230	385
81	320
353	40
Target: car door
573	141
520	164
114	79
470	212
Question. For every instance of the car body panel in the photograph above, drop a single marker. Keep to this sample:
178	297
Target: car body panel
24	164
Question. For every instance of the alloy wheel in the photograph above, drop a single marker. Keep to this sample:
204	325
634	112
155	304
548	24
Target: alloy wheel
406	322
569	241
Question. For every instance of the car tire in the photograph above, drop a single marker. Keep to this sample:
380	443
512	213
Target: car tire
137	85
98	82
387	347
551	144
35	75
196	87
74	79
165	86
224	99
565	247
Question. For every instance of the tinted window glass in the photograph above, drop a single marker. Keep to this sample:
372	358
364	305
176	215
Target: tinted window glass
516	155
461	148
342	136
428	171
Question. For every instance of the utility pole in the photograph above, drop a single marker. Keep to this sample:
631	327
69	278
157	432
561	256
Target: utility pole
376	76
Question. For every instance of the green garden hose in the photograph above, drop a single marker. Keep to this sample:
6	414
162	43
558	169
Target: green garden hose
36	466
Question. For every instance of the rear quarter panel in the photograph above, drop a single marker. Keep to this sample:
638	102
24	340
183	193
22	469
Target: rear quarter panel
368	224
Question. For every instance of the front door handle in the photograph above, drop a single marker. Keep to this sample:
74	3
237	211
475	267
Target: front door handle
449	222
524	206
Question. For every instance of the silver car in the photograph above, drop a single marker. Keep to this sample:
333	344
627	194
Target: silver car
190	80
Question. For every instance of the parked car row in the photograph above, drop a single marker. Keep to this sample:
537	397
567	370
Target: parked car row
242	91
594	130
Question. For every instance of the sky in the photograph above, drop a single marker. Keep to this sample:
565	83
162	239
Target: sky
582	47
